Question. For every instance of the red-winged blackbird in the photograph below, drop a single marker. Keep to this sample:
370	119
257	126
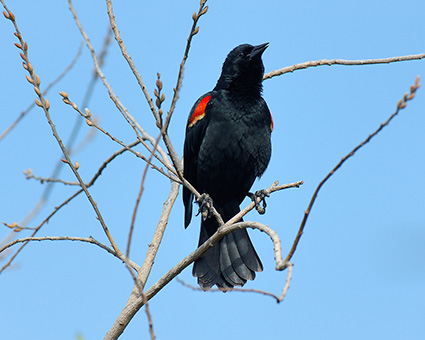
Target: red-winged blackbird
227	146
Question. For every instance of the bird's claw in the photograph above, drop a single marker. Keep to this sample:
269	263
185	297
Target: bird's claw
260	194
205	206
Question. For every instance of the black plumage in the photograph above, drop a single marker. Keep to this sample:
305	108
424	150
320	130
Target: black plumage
227	146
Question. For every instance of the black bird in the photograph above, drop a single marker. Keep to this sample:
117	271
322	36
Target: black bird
227	146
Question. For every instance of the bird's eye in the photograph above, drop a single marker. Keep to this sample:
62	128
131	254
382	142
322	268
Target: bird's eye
241	54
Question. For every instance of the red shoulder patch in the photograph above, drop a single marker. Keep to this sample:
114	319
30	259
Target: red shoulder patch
199	111
271	124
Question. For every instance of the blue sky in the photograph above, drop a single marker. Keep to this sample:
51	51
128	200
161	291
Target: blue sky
358	271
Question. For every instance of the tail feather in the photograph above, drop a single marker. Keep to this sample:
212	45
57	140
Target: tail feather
207	269
247	252
229	254
230	262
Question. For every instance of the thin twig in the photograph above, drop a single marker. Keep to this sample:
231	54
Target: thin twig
400	105
42	102
92	123
123	110
57	208
235	289
29	175
68	238
139	196
193	31
48	87
71	138
69	199
164	129
274	187
330	62
130	60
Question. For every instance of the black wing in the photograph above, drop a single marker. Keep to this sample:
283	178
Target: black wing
195	132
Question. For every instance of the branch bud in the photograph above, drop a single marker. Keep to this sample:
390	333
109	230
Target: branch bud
29	79
205	10
159	84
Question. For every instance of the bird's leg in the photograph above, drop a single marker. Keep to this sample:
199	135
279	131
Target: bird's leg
205	206
260	194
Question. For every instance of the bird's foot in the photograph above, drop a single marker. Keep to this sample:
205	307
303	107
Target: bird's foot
205	206
260	194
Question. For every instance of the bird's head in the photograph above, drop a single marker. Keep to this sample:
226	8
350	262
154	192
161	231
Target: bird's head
243	69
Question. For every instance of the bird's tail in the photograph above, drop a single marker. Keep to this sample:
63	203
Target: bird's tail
230	262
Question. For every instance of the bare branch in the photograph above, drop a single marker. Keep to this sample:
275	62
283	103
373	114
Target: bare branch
139	196
173	154
39	227
330	62
90	121
193	31
71	138
130	60
68	238
48	87
29	175
400	105
131	309
34	80
93	180
235	289
125	113
274	187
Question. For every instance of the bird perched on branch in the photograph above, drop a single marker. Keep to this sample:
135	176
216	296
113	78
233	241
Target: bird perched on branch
227	146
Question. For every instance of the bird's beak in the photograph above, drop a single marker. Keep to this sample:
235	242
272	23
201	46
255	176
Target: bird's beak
258	50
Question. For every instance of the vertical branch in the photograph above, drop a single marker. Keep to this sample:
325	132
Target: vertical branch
131	306
193	31
164	128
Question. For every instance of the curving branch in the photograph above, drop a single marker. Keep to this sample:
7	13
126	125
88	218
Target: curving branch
136	302
400	105
68	238
278	299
